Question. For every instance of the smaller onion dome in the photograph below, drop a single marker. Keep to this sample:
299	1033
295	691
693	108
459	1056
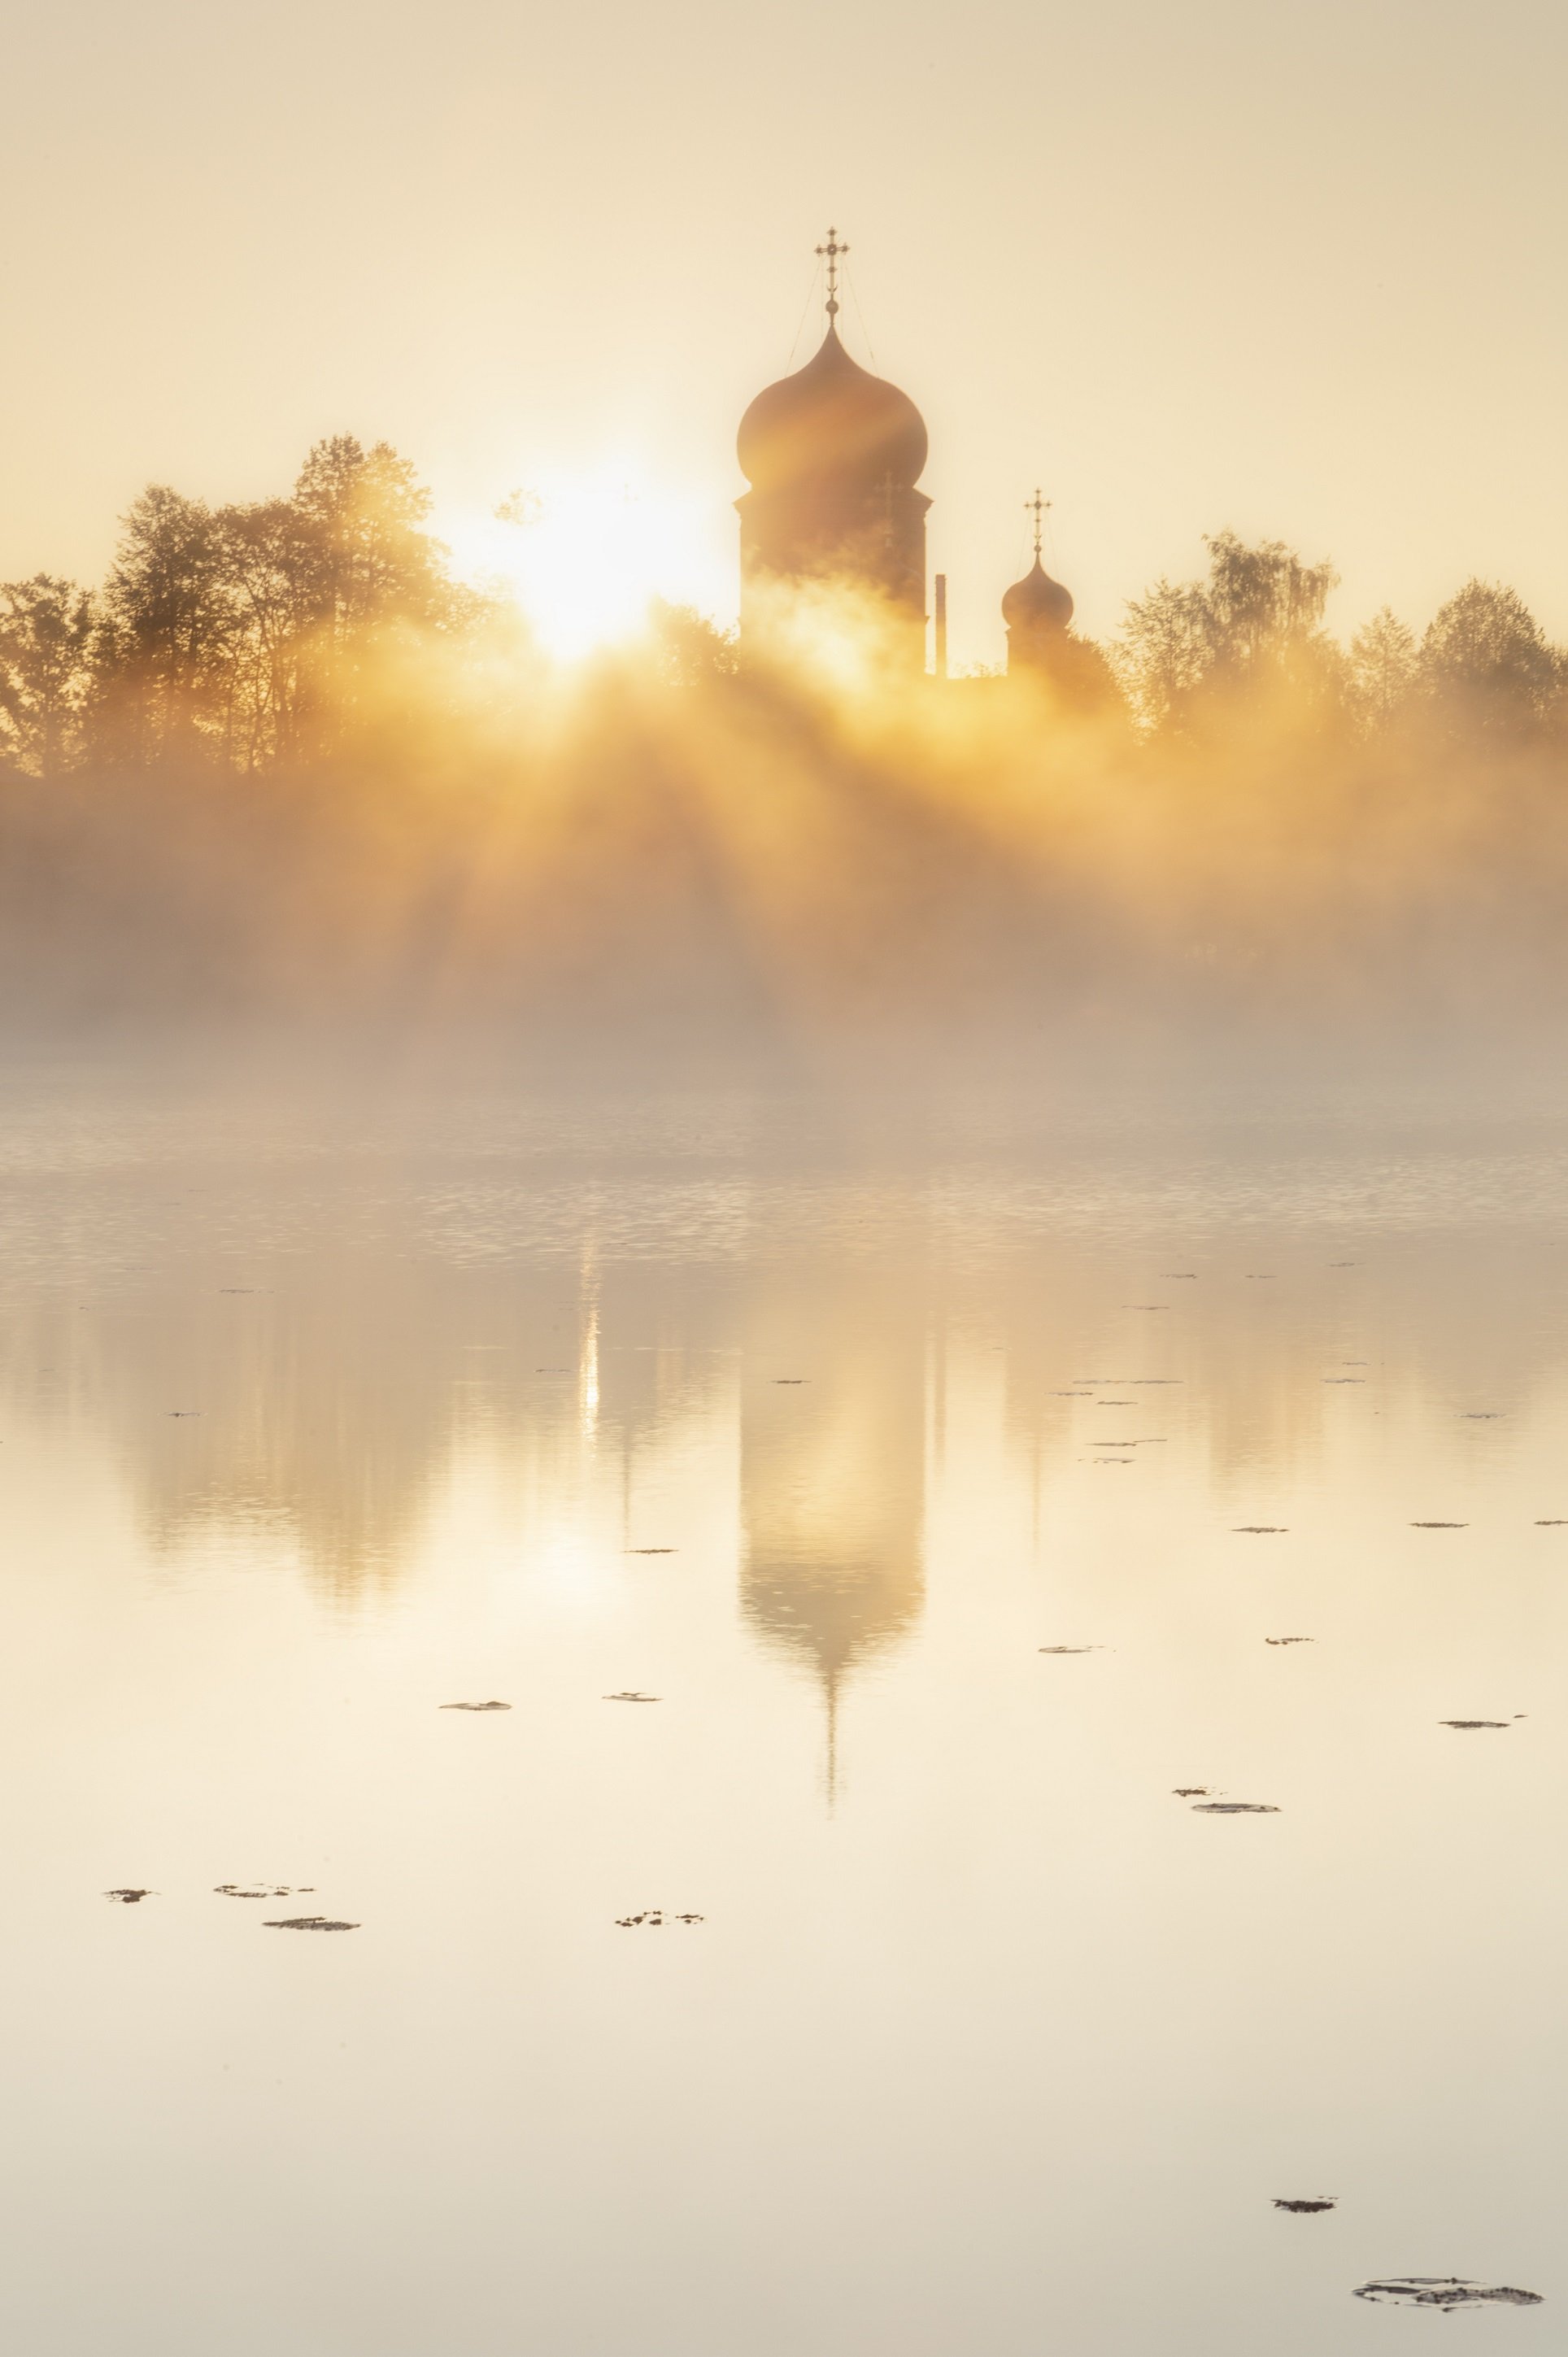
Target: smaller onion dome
1037	602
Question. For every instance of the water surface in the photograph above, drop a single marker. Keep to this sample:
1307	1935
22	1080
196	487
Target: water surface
949	1482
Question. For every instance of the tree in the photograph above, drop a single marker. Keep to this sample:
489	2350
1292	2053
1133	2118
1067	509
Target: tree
1195	651
1385	669
1486	663
1165	651
690	648
168	627
46	641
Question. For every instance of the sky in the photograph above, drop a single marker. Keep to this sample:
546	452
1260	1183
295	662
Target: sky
1294	272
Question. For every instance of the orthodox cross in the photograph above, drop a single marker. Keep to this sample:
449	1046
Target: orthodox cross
1036	507
833	251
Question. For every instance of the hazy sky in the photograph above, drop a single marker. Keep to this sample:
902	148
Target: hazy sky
1297	271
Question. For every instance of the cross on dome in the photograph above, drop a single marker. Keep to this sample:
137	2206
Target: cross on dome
832	251
1037	507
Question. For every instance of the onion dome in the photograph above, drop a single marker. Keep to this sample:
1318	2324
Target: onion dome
1038	603
831	418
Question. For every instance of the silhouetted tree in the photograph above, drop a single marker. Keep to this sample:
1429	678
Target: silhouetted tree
1486	663
691	647
168	627
47	629
1385	670
1195	653
1165	650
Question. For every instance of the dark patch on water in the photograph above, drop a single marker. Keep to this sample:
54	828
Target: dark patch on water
1444	2291
628	1697
1440	1526
262	1889
654	1918
1468	1723
1235	1809
474	1706
128	1897
652	1550
309	1923
1190	1792
1070	1648
1260	1529
1308	2207
1290	1640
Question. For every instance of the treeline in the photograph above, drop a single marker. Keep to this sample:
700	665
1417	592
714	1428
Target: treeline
253	636
241	635
1248	644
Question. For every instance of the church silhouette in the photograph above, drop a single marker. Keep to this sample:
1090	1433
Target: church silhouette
834	457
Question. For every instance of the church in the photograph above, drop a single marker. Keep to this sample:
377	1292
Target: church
833	456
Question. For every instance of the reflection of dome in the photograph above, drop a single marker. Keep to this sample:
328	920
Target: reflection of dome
1038	603
831	418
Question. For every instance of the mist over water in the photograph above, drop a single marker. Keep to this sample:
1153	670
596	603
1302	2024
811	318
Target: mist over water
744	874
782	1454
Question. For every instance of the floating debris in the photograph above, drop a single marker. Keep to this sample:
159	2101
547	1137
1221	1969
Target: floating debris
1290	1640
788	1379
1260	1529
474	1706
130	1897
1444	2291
1480	1414
1467	1724
307	1923
1148	1305
652	1550
1553	1522
654	1918
185	1411
1070	1648
631	1697
1190	1792
1235	1809
1179	1275
1308	2207
262	1889
1343	1379
1440	1526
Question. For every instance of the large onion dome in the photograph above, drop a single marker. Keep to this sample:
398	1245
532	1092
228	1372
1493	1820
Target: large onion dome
1036	603
831	418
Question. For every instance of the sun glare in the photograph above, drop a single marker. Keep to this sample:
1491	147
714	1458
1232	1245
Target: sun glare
585	554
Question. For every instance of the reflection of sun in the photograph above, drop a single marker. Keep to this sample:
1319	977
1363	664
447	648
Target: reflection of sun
585	554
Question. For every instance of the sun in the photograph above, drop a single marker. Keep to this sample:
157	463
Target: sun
586	553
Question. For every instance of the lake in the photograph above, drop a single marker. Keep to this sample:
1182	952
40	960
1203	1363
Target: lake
890	1531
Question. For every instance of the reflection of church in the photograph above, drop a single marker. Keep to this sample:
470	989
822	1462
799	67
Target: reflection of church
833	1470
833	457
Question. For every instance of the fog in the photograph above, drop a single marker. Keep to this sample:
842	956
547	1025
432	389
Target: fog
662	855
